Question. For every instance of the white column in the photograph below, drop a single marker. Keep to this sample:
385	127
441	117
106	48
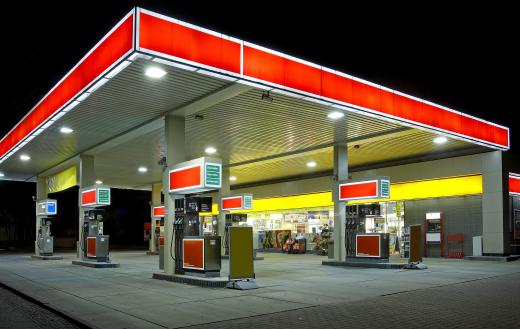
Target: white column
224	191
41	193
86	178
156	200
340	173
495	216
174	128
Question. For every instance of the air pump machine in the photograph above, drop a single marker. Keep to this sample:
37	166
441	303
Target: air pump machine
45	209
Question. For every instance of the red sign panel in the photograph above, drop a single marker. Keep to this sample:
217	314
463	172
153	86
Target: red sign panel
514	184
193	254
368	246
358	190
158	211
116	45
185	178
232	203
88	197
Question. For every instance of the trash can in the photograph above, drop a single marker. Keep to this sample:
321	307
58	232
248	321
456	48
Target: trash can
330	247
477	246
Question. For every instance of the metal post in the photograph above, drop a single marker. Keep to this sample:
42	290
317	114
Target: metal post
224	191
41	193
156	200
174	128
85	178
340	173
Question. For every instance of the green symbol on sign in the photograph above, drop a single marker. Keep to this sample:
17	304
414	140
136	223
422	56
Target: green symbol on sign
103	196
385	189
213	175
248	202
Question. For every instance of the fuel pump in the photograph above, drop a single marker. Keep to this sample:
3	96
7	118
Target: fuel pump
193	251
95	243
44	240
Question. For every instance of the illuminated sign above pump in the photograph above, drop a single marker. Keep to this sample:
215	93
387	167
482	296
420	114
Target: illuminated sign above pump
237	202
514	184
158	211
194	176
47	207
95	196
378	188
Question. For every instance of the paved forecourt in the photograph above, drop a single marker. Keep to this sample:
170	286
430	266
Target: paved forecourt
128	296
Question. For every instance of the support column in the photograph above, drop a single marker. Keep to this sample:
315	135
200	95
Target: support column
340	173
495	200
41	193
174	130
85	178
224	191
156	200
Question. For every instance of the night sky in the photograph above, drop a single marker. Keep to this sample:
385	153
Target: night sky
461	58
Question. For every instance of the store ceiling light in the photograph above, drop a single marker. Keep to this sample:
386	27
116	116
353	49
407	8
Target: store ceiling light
155	72
440	140
25	157
99	182
142	169
232	178
335	115
210	150
311	164
66	130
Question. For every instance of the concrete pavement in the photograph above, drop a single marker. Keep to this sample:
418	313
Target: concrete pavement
127	297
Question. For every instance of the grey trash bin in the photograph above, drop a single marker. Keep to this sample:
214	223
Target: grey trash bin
330	247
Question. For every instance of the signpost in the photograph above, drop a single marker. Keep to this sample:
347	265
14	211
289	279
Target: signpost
377	188
194	176
95	196
237	202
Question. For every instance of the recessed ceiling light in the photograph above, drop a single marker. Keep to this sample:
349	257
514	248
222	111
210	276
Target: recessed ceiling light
440	140
25	157
155	72
210	150
99	182
233	178
2	174
311	164
335	115
66	130
142	169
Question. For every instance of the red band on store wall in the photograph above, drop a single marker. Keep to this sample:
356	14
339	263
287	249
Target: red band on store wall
358	190
180	41
116	45
232	203
88	197
185	178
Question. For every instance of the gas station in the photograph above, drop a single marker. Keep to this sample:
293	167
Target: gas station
237	140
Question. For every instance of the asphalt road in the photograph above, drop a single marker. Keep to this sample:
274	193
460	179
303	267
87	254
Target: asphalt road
17	312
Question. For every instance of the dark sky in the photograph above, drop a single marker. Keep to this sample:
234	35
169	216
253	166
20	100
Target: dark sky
463	58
